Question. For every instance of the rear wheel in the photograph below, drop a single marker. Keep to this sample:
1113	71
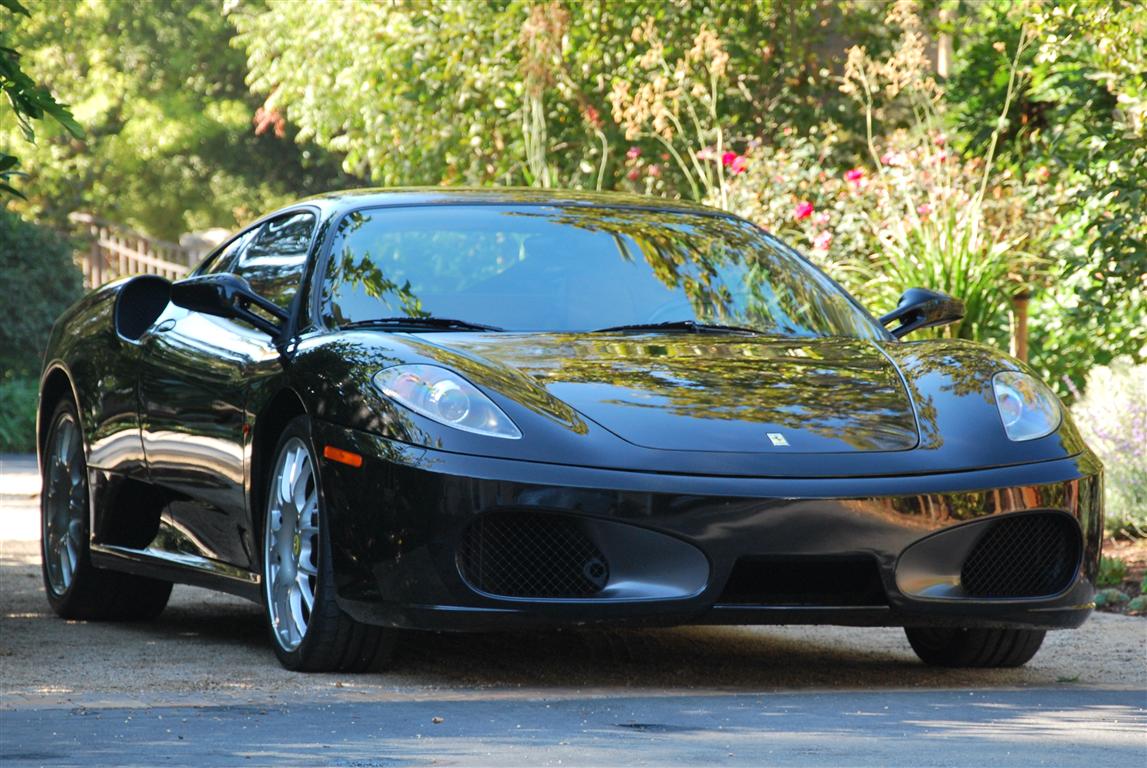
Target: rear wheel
308	630
957	647
76	589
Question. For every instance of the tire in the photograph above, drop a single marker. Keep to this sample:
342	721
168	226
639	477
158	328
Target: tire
308	630
76	589
982	648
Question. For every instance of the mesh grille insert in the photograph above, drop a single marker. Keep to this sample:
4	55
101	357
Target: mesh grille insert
1023	556
526	554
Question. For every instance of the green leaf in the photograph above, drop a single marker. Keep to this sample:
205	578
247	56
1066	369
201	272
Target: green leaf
14	6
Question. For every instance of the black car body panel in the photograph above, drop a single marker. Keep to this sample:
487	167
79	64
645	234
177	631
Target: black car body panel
649	451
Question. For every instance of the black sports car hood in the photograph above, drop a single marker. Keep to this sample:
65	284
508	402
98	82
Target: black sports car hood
705	392
700	404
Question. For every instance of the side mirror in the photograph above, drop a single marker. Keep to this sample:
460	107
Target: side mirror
227	295
921	308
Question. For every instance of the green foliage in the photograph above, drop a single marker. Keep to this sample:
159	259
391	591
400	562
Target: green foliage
1112	572
1110	598
172	142
39	281
1080	126
1112	415
18	415
463	92
28	101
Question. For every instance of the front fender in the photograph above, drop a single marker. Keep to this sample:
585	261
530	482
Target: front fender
950	381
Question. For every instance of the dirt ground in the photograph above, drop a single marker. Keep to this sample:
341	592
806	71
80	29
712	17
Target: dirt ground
211	648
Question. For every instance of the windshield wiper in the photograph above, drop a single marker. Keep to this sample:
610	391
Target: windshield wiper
421	323
689	326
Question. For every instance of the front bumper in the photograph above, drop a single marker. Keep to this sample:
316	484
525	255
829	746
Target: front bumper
398	522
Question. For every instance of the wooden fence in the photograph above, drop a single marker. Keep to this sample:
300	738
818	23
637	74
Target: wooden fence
116	251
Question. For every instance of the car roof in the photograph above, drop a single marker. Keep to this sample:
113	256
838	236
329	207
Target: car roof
353	199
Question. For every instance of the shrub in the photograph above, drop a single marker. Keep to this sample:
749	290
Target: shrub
18	415
1112	415
1112	571
40	280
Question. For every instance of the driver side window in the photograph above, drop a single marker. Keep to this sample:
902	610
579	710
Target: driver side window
276	258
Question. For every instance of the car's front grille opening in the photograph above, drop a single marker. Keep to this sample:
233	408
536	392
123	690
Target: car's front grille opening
1029	555
531	554
805	581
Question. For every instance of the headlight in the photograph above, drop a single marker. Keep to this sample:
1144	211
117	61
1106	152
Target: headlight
445	397
1028	408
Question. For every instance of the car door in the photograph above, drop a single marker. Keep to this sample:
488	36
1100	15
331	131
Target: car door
196	372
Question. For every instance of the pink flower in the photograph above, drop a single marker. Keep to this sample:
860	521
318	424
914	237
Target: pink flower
654	170
633	153
1042	174
940	140
893	159
633	174
728	158
740	164
803	210
592	116
854	176
924	209
823	241
706	153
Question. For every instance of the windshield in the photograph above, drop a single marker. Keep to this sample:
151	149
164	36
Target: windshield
578	268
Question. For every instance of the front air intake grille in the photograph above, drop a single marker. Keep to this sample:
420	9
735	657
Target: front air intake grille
1030	555
806	581
529	554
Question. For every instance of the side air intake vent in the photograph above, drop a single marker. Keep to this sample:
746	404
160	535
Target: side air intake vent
1023	556
529	554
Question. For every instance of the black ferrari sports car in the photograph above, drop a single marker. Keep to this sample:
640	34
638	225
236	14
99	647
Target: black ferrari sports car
376	411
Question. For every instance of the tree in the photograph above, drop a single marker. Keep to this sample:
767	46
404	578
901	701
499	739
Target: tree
513	91
29	101
1078	136
173	142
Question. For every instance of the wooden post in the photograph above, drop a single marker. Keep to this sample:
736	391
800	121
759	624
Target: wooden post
944	52
1020	325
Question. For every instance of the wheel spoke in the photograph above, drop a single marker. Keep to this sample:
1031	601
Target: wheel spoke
307	568
63	556
299	487
296	611
304	588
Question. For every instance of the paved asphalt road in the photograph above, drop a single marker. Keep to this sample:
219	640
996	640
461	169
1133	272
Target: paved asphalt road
200	687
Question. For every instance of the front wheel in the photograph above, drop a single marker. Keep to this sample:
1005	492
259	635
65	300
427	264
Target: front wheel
957	647
309	631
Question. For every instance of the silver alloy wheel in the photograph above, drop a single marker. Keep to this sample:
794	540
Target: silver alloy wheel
291	544
64	505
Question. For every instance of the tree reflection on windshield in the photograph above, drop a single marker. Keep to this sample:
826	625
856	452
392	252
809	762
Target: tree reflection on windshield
574	268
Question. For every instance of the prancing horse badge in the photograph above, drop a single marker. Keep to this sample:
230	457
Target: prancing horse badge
776	438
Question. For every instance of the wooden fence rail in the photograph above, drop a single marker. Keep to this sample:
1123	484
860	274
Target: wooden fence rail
117	251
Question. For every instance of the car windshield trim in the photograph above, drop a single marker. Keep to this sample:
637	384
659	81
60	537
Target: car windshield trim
421	323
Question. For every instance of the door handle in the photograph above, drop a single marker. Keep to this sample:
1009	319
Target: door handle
165	326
